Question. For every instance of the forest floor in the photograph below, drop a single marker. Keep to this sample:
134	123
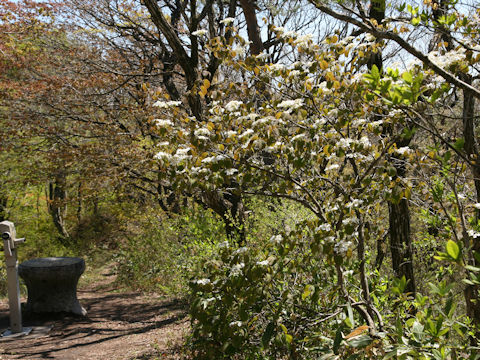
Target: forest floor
119	326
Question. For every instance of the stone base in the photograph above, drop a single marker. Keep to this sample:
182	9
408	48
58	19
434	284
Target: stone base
52	284
9	334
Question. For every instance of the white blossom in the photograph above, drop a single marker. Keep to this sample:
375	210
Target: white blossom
369	37
350	221
202	281
200	32
342	247
163	122
162	155
227	20
325	227
344	143
166	104
239	50
476	206
262	263
224	245
294	73
205	302
303	41
235	324
365	141
323	86
403	150
230	172
448	58
297	137
473	234
291	104
332	167
276	239
230	133
354	203
233	105
202	133
263	56
276	67
237	269
246	133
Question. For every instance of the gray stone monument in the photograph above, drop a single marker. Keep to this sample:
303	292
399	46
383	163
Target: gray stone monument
52	284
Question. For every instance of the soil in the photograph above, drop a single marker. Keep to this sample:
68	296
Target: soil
119	326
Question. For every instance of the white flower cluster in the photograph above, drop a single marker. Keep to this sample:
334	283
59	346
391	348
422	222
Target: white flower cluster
227	21
403	150
277	67
213	159
448	58
473	234
233	105
342	247
200	32
202	133
355	203
291	104
350	221
166	104
162	155
344	143
237	269
332	167
324	227
163	122
202	281
277	239
262	263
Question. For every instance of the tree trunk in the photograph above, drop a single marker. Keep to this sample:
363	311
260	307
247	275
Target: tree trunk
399	214
400	243
472	292
249	7
56	204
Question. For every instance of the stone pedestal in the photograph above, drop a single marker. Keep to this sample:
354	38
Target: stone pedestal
52	284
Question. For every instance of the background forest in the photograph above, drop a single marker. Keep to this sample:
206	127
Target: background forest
305	172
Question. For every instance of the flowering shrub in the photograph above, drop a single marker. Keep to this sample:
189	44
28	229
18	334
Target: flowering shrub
328	137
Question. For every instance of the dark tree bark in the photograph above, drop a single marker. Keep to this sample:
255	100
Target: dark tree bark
442	35
399	214
56	204
249	7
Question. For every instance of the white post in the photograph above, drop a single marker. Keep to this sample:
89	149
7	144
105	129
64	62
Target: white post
9	237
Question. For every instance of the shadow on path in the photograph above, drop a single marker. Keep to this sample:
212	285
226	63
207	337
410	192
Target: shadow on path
117	323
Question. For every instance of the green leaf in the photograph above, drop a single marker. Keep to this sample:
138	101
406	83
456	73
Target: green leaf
308	291
453	250
268	334
459	144
338	340
360	341
472	268
350	315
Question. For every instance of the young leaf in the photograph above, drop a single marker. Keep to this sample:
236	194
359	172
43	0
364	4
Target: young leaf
453	250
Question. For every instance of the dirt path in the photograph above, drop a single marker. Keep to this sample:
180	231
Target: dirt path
122	326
